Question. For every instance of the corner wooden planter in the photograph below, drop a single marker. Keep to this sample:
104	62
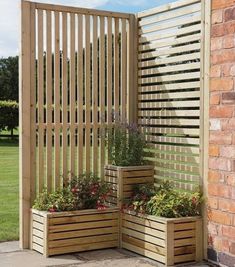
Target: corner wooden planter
123	179
168	241
67	232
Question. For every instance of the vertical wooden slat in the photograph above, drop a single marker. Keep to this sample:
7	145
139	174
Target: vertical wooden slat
132	57
123	69
95	94
33	105
80	93
25	82
40	103
109	71
72	93
57	103
116	69
64	96
49	101
102	95
87	91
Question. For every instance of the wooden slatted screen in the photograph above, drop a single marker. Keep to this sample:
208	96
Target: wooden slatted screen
79	87
169	68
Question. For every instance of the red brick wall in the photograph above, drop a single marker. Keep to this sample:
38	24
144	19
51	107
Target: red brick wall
221	179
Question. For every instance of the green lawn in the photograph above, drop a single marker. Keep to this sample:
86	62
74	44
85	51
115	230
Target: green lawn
9	188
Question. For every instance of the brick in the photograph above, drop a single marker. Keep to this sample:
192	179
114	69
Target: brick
215	124
223	56
213	150
220	138
212	202
212	228
215	71
224	204
225	245
217	16
221	84
219	30
220	190
232	70
216	43
227	151
228	98
226	69
232	248
233	192
230	179
214	99
228	124
214	176
221	111
229	14
228	231
217	243
218	4
228	41
219	217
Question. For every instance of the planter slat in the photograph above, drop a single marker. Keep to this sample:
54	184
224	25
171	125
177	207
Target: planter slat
85	247
144	252
169	241
67	232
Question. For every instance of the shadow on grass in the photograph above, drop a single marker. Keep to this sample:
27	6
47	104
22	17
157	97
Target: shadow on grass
9	142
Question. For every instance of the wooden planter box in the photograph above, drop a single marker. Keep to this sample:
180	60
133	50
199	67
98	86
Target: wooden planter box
168	241
123	179
67	232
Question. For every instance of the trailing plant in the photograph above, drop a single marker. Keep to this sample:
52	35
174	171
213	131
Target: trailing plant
166	201
126	145
86	191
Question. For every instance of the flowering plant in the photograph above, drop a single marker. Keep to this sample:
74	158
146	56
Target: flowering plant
126	145
166	201
86	191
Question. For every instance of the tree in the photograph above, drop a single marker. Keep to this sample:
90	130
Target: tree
9	78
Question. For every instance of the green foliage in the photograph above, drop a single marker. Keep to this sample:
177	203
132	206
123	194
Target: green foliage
9	115
167	202
126	145
86	191
9	78
60	200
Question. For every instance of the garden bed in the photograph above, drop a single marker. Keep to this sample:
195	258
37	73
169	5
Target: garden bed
123	179
56	233
168	241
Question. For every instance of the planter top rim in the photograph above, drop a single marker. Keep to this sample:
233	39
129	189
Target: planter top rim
130	167
74	212
162	219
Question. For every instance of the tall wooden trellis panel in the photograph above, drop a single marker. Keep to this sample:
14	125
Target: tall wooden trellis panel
77	75
80	69
169	89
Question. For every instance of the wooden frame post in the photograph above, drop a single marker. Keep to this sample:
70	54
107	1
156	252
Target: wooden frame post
26	117
204	112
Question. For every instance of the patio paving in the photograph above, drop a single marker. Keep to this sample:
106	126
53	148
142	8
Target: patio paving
12	256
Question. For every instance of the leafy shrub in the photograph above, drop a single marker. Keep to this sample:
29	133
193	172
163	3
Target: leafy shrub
9	113
126	145
60	200
89	191
86	191
166	202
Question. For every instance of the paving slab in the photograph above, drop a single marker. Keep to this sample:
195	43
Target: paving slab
12	256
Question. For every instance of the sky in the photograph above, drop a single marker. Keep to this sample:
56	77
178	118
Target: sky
10	16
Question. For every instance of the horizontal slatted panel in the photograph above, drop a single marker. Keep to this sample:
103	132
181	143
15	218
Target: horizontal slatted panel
169	89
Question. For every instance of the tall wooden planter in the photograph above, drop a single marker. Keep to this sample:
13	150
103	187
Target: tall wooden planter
67	232
168	241
123	179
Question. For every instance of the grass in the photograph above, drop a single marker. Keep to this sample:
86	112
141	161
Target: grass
9	190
